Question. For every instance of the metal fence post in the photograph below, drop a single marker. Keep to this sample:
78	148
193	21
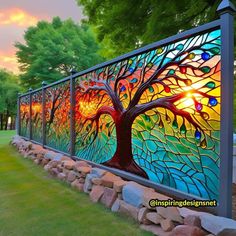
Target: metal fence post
43	115
18	115
72	114
30	111
226	10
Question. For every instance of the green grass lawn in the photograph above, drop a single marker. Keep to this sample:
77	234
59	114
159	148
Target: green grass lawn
32	203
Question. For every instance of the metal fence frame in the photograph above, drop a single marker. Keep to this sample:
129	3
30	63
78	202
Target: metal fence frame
225	23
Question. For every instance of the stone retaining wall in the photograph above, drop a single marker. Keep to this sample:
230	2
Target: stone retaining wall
126	197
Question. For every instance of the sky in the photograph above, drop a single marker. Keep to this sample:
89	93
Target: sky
17	15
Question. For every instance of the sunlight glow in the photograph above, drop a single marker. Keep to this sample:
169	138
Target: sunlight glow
87	108
24	108
9	61
17	16
9	120
188	101
36	108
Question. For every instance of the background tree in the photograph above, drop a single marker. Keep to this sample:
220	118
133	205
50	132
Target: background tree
51	50
125	25
9	87
181	79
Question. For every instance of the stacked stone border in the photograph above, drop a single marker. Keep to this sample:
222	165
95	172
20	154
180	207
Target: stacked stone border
126	197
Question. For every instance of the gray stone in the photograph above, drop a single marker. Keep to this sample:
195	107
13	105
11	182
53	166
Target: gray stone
192	220
16	138
154	217
97	181
84	170
36	147
108	179
68	164
37	161
167	225
109	196
47	167
96	193
118	185
76	184
53	155
44	162
171	213
33	157
88	183
62	158
60	168
81	180
40	152
40	155
216	224
54	171
133	194
156	230
227	232
16	142
27	145
65	171
187	230
30	153
71	176
25	154
149	195
128	210
61	176
142	216
80	164
116	205
184	212
53	164
98	172
49	155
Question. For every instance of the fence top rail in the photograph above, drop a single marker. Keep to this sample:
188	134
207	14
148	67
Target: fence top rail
163	42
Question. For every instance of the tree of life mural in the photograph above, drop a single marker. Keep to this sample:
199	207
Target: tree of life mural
57	108
156	115
25	116
37	116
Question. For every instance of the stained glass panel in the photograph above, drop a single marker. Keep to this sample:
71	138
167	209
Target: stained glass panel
57	114
157	115
25	116
37	116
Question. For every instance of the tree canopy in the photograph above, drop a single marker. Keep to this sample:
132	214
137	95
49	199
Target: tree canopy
51	50
9	87
125	25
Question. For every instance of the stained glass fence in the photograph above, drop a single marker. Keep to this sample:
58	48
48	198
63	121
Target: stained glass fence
155	113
